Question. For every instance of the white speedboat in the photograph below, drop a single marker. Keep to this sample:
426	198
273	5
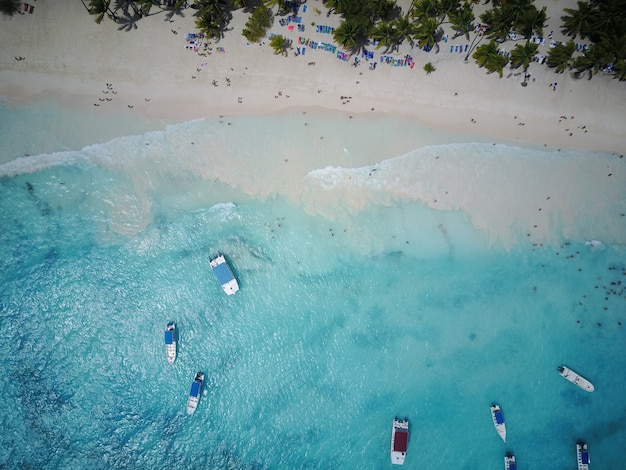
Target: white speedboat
170	342
509	462
399	440
576	379
194	393
583	456
224	274
498	421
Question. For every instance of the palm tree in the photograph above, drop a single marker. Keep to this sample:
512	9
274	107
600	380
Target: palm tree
426	32
9	7
488	56
461	21
280	4
405	29
429	68
590	62
560	56
279	44
620	69
423	9
387	35
100	8
207	24
499	25
522	55
532	21
258	23
578	22
350	33
337	6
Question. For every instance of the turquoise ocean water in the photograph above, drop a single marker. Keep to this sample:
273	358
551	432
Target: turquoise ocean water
357	304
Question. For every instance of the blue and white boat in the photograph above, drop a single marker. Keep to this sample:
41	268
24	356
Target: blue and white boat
498	420
583	456
224	274
509	462
170	342
194	393
399	440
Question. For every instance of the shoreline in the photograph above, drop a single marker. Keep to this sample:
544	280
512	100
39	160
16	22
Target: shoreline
248	79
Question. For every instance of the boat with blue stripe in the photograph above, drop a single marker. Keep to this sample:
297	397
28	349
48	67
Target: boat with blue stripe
194	393
498	420
509	461
170	342
583	456
224	274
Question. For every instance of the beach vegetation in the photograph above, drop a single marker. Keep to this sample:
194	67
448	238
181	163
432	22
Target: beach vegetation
426	32
522	54
281	5
560	56
578	21
351	33
258	23
213	17
387	35
100	9
9	7
604	24
514	16
461	20
489	57
279	44
429	68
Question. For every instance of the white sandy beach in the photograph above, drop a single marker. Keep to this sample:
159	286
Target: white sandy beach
69	56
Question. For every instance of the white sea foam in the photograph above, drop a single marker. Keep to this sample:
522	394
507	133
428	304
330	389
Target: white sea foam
510	194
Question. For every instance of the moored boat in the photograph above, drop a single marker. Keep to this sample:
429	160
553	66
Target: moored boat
170	342
498	420
582	455
224	274
509	461
399	440
194	393
576	379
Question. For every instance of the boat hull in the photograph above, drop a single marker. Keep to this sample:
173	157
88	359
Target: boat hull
498	421
582	455
509	462
194	393
399	441
170	342
578	380
224	274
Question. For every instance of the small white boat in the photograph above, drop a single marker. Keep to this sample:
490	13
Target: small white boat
399	440
583	456
224	274
170	342
509	462
498	421
194	393
576	379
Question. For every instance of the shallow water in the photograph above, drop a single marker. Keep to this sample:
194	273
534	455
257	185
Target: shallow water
359	302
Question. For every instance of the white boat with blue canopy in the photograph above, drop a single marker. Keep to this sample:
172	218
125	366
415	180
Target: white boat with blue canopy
509	462
498	421
170	342
194	393
583	456
224	274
